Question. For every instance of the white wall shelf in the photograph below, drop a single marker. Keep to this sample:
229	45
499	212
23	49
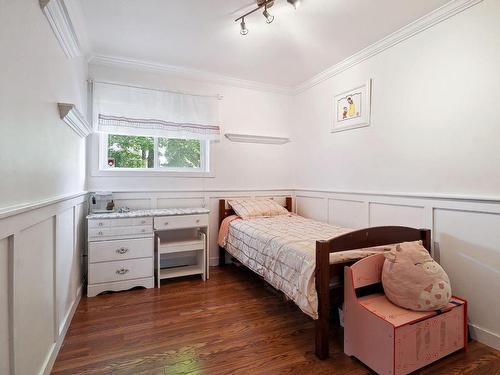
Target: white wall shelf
180	246
169	273
75	119
247	138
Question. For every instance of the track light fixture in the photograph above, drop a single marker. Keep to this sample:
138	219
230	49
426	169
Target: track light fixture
269	17
266	4
244	30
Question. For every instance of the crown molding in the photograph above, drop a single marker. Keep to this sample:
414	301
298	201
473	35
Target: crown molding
431	19
74	119
60	21
186	73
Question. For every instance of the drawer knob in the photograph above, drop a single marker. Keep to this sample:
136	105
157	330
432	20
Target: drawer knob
100	233
144	230
122	271
122	250
101	224
197	221
166	223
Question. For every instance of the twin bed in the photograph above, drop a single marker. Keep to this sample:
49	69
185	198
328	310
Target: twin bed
303	258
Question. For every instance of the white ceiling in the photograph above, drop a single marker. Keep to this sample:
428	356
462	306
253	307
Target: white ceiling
202	34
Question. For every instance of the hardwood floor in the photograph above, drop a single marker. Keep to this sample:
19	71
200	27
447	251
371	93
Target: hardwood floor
232	324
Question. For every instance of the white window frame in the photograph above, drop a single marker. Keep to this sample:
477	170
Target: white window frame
99	151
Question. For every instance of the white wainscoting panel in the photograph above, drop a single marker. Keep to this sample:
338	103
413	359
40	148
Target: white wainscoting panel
40	280
180	202
67	264
312	207
347	213
469	250
4	307
133	204
466	238
34	307
392	214
80	235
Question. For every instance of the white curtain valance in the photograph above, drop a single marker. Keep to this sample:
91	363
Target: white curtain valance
126	110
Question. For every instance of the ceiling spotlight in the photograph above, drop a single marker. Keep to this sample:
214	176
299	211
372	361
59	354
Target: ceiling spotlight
244	30
295	3
269	17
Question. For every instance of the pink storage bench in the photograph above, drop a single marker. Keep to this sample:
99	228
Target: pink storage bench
392	340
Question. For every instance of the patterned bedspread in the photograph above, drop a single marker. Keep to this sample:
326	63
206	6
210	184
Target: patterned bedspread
282	249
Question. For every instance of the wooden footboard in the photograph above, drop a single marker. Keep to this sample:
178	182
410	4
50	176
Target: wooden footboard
363	238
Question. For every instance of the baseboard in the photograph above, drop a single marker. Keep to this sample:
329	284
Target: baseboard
214	261
484	336
46	370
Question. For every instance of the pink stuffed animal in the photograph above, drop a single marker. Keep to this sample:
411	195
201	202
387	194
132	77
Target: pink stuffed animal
413	280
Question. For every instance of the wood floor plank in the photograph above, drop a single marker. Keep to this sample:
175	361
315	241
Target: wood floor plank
232	324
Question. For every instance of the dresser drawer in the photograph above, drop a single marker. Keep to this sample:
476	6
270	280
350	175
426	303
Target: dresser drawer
120	270
178	222
103	233
103	223
125	222
105	251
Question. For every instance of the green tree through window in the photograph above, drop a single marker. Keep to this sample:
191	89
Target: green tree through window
179	153
139	152
130	151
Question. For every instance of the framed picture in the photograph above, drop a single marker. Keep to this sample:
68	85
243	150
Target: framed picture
352	108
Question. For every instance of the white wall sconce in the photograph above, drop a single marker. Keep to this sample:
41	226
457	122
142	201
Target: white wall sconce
74	118
246	138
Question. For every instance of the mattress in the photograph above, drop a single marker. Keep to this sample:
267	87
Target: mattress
282	249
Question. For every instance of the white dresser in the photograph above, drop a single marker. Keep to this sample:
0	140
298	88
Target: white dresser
121	247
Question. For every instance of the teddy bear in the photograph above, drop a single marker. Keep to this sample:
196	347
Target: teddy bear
413	280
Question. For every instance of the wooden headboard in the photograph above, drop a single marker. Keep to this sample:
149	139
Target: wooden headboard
225	212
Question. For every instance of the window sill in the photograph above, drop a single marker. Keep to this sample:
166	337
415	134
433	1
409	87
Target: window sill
146	173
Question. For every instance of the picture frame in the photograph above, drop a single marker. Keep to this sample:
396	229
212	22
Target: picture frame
352	108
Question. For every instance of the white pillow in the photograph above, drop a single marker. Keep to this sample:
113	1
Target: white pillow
249	208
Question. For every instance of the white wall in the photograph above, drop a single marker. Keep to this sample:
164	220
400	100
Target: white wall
40	156
41	160
434	116
434	134
237	165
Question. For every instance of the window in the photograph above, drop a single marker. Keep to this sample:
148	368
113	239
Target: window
128	152
148	132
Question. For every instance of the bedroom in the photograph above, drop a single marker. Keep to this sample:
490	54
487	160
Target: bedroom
353	115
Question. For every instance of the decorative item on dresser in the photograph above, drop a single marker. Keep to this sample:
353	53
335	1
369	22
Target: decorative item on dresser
327	268
122	251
